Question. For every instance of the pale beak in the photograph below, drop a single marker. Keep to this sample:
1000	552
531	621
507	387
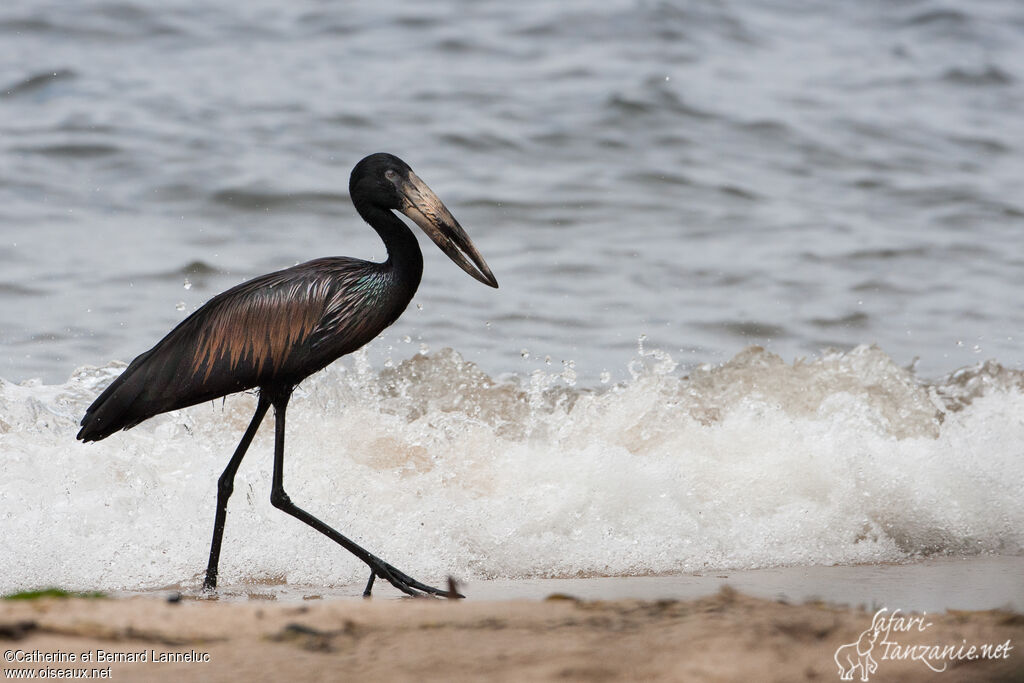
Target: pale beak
428	212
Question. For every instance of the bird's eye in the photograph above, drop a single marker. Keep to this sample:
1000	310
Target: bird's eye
390	174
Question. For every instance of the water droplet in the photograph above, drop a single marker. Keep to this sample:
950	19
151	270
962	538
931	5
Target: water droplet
547	359
976	348
187	285
180	306
525	353
606	377
419	307
406	339
487	324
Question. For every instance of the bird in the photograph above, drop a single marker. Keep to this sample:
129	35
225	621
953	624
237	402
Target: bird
272	332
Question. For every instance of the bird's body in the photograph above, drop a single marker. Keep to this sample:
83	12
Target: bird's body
275	330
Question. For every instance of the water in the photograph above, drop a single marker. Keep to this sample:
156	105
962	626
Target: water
755	463
705	176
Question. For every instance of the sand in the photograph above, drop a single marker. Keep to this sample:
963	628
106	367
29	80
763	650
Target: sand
726	636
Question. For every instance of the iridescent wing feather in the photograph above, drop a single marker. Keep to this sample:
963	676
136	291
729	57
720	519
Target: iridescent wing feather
274	330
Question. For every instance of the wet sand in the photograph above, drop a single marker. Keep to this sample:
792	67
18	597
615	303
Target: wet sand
934	585
590	629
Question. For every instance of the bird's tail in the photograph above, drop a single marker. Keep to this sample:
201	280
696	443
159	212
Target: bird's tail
118	407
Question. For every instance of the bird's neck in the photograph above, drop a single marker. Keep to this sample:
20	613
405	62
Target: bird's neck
405	259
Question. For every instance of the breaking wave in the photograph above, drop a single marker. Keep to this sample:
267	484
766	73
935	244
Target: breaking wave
440	468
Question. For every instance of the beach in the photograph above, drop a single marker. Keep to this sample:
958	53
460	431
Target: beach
724	635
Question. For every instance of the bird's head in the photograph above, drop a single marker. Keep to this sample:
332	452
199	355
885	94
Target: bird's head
387	182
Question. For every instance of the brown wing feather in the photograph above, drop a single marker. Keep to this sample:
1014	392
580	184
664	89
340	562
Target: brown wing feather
261	328
275	329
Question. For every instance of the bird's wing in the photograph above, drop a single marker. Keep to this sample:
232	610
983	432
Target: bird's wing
355	312
251	331
258	333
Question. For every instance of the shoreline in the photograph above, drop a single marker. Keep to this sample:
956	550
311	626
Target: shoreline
720	626
721	637
935	584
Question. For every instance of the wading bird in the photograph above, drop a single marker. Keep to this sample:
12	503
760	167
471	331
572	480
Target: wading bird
272	332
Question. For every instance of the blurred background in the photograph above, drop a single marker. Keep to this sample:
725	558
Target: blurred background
708	174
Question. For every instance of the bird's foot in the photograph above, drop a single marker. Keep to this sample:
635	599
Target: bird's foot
210	582
404	582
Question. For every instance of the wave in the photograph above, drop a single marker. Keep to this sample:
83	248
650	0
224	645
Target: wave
440	468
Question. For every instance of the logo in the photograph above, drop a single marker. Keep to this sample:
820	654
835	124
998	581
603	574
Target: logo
857	655
885	640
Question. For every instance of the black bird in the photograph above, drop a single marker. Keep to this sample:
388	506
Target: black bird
272	332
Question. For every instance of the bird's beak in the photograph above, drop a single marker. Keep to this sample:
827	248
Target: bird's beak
428	212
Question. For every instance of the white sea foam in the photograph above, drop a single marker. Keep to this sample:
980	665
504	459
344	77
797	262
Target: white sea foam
440	469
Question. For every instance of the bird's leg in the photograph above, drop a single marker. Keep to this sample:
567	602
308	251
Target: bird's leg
369	584
280	500
225	485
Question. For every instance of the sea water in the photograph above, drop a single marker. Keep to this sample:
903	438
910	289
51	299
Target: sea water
662	189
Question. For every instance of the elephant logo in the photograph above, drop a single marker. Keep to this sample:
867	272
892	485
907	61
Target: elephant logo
857	655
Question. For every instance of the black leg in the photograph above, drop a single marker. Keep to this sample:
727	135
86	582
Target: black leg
280	500
225	485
